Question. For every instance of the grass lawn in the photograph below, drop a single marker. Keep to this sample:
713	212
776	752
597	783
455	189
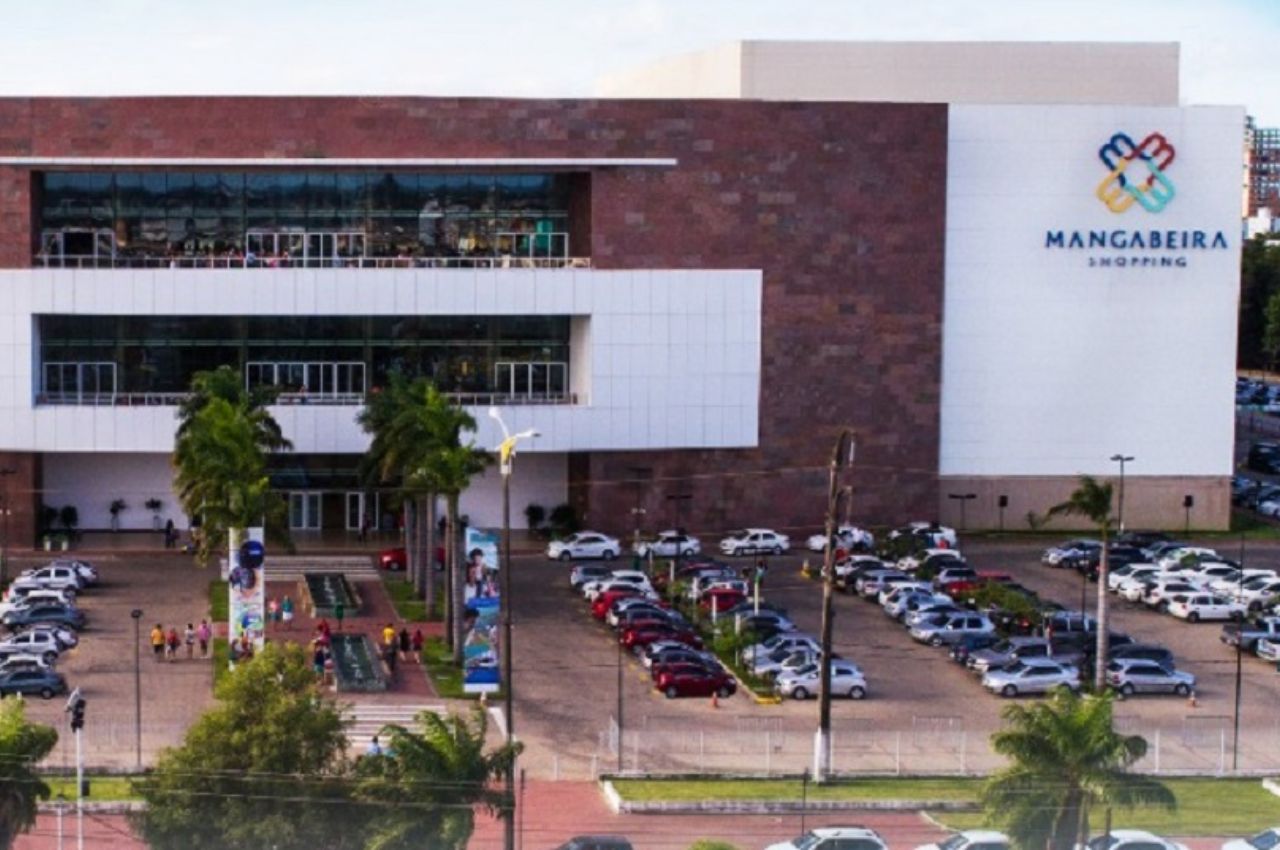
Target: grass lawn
791	789
409	605
219	602
1205	807
101	788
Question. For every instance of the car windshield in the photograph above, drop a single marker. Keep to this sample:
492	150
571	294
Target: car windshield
1014	667
1002	647
1265	840
957	840
807	669
806	841
1102	842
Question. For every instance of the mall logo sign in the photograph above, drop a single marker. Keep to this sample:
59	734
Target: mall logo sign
1137	174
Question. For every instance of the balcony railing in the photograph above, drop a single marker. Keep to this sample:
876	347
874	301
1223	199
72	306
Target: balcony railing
127	262
480	399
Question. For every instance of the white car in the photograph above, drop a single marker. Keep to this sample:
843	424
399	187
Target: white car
1117	576
931	533
703	585
1055	555
584	544
1133	839
53	576
1030	676
783	640
1269	507
1229	585
1159	594
911	563
803	682
669	544
975	839
847	537
1256	594
1267	650
1130	676
1132	586
755	541
847	565
835	838
869	583
1205	606
909	603
616	579
891	594
1186	554
1268	839
41	596
42	644
87	571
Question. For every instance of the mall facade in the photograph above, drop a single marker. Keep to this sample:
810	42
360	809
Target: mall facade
688	298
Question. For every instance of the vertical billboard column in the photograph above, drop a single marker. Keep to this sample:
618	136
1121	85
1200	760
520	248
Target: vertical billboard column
480	651
246	584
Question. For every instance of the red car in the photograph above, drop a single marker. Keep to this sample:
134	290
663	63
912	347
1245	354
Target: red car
600	606
398	559
724	598
638	636
690	662
692	681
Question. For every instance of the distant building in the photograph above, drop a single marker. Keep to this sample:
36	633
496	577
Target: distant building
1264	168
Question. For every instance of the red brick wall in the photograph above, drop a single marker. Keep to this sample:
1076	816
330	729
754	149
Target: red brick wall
841	205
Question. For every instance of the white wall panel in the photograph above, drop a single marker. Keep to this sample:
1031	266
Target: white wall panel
1050	366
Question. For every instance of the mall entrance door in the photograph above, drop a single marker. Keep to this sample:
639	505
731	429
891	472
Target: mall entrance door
304	511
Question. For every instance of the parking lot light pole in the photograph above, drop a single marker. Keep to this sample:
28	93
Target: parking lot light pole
136	614
506	451
5	508
1235	727
963	499
1121	459
841	456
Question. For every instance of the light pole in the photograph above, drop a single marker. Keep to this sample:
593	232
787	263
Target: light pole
1121	459
1235	729
136	614
506	451
841	456
6	509
963	499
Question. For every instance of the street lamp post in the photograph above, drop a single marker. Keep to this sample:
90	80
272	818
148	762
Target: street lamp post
136	614
1121	459
506	451
841	456
963	499
6	508
1235	728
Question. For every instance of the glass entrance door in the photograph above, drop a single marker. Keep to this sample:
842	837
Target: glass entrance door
355	511
304	511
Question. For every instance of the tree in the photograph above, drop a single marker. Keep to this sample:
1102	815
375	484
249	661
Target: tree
456	464
1092	500
265	767
1259	282
1066	760
224	436
1271	331
433	777
22	745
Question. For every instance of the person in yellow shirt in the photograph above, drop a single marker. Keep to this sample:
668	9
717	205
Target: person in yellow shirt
388	635
157	641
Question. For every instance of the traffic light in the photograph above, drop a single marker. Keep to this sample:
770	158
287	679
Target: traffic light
77	714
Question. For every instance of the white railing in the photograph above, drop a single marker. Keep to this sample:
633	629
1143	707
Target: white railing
479	399
238	262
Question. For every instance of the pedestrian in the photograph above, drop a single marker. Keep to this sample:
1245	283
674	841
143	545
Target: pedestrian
157	641
339	611
203	634
169	535
323	628
389	656
404	645
374	748
171	643
328	667
286	611
418	641
389	636
317	660
273	611
189	638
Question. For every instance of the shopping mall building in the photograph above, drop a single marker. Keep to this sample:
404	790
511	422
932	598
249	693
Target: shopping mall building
688	286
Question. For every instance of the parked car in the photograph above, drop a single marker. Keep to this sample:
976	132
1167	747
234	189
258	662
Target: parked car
720	599
1117	576
949	628
584	544
803	682
975	839
64	637
1257	593
764	625
929	533
1133	839
666	651
36	596
638	636
53	576
583	573
926	562
870	583
1185	555
1204	606
25	661
596	842
755	541
616	579
43	613
672	543
1159	593
966	646
908	598
953	575
704	584
44	682
1268	839
835	838
604	602
629	617
1055	555
1032	676
1129	676
42	644
781	660
1145	652
847	537
848	569
1267	649
930	611
1247	634
791	641
700	661
1023	649
88	572
692	681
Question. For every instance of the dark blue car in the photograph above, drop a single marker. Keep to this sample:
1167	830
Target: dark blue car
31	681
63	615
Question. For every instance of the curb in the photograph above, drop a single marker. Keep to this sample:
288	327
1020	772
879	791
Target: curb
618	805
1272	785
105	807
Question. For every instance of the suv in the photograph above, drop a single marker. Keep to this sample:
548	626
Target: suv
835	838
54	576
947	629
596	842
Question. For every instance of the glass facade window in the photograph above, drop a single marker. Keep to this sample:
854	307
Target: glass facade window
334	358
317	217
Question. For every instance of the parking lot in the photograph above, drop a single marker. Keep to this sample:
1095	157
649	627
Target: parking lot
923	712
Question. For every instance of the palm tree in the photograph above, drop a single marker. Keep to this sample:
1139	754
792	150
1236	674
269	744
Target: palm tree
1092	500
225	383
456	464
1066	760
431	779
22	746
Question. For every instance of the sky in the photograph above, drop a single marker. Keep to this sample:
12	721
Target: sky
538	48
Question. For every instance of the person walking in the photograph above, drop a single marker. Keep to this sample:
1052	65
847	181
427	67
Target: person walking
273	611
204	634
189	638
339	611
286	612
317	660
405	645
388	636
157	641
418	641
170	536
171	643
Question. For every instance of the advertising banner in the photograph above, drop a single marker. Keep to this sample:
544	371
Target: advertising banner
246	585
480	646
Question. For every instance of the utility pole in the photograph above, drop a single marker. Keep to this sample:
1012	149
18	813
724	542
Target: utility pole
841	456
1121	459
75	707
6	508
136	614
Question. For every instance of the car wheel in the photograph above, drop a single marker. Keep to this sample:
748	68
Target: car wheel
608	554
1181	689
777	550
50	657
1009	691
936	640
687	553
1193	617
566	556
857	692
46	693
737	552
724	692
1255	607
671	692
1126	690
800	693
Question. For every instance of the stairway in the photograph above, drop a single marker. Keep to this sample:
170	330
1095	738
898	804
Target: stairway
369	718
292	567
